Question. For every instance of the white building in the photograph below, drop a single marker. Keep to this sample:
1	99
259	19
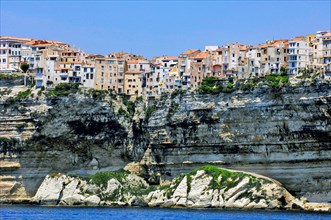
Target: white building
10	53
88	76
326	38
298	55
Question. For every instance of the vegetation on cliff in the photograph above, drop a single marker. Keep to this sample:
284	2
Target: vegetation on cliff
19	97
63	89
213	85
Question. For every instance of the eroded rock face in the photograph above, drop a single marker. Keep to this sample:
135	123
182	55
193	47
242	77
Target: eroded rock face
78	135
284	134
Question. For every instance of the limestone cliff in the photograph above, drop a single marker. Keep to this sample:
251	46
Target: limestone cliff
280	133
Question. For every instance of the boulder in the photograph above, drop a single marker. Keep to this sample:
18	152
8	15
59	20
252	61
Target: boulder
92	200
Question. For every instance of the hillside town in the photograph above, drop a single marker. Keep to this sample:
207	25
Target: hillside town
53	62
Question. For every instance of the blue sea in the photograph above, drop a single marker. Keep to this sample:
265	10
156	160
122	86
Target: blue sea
40	212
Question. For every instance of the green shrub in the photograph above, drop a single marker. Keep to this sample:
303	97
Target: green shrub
149	111
276	80
229	87
131	107
63	89
139	99
210	85
121	111
24	67
102	178
97	94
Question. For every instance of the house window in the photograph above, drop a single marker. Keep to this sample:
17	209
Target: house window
87	76
85	70
91	76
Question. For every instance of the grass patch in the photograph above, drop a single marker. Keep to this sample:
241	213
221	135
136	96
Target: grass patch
229	179
101	178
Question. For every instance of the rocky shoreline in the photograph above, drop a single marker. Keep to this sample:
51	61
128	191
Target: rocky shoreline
206	187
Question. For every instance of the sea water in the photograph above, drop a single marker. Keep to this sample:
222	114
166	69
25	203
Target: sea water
42	212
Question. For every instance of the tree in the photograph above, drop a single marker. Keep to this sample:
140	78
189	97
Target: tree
24	67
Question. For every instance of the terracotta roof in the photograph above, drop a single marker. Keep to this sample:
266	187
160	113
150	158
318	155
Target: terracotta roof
202	55
298	38
276	43
243	48
133	61
188	52
94	55
41	45
170	58
14	38
260	46
56	42
327	34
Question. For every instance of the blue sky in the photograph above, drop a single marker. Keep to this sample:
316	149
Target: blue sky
152	28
